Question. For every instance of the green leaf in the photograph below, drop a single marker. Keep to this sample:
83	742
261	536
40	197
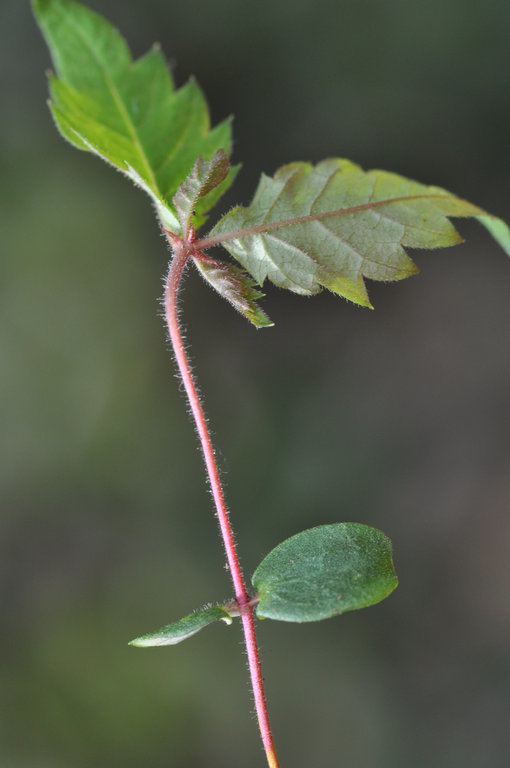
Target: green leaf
126	111
323	572
498	229
333	225
236	287
180	630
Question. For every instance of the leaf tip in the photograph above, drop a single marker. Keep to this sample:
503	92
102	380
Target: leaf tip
498	229
142	642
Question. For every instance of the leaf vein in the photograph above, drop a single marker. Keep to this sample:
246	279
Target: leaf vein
177	146
119	103
257	229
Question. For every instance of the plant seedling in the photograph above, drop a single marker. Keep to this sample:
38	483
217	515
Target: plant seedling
307	228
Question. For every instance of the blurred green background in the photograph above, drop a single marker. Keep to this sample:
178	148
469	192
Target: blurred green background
398	418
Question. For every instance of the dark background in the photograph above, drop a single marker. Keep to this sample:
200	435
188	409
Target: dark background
398	418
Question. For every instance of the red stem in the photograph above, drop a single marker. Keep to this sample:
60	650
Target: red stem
182	251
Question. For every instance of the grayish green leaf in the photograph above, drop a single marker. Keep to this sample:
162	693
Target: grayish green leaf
180	630
333	225
323	572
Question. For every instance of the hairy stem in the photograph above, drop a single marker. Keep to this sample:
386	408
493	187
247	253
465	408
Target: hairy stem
181	254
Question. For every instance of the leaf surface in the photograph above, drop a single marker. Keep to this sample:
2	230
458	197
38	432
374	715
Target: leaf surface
126	111
236	287
333	225
180	630
323	572
203	178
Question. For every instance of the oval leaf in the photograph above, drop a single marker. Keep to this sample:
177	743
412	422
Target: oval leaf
325	571
180	630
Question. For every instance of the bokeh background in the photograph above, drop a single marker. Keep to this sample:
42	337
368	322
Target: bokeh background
399	418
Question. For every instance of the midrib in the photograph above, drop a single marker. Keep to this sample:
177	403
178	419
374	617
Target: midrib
121	108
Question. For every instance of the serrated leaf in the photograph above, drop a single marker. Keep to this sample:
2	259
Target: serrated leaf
236	287
203	178
126	111
180	630
333	225
323	572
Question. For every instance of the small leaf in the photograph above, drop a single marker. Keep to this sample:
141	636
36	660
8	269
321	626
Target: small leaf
180	630
205	176
127	112
236	287
325	571
333	225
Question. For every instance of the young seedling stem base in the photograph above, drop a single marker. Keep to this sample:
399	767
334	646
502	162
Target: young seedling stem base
182	251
